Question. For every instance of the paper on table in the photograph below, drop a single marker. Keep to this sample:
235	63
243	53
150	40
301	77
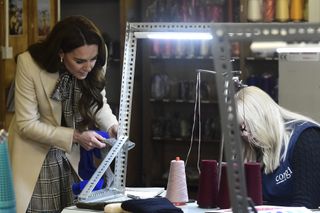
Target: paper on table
269	209
144	192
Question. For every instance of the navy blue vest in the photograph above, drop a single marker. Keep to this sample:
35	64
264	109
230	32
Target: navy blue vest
278	185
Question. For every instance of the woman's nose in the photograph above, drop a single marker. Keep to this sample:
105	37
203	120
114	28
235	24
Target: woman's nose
87	66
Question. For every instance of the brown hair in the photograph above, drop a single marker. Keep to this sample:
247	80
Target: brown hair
67	35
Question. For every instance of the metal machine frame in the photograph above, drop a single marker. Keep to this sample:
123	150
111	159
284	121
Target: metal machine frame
222	34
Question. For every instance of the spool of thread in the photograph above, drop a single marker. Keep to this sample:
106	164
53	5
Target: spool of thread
7	196
180	48
313	8
156	50
269	10
208	184
166	49
204	48
254	10
191	49
282	10
296	10
223	194
177	191
235	49
254	182
230	11
216	13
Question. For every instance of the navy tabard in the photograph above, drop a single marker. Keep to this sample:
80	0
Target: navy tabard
278	185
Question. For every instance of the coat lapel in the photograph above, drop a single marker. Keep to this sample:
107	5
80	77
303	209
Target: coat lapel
48	81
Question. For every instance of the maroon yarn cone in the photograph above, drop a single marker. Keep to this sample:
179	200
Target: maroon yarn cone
208	184
254	182
223	195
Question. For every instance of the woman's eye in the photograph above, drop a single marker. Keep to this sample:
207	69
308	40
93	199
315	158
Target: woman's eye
79	62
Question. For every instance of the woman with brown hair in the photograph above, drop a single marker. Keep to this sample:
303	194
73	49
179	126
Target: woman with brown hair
59	98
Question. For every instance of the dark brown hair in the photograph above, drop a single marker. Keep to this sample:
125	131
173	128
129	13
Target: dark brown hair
67	35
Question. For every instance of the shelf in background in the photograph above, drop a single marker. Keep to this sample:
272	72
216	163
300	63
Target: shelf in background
185	140
181	101
154	57
259	58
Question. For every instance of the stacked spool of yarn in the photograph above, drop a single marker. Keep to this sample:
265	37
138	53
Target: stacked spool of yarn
253	180
254	10
223	194
177	191
282	10
268	10
296	10
312	11
208	184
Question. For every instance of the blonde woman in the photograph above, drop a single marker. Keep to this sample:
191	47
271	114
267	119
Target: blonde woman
286	143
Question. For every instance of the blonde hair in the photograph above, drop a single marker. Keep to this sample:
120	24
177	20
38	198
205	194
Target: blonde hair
267	125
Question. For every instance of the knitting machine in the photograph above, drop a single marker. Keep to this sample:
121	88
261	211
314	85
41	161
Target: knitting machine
221	35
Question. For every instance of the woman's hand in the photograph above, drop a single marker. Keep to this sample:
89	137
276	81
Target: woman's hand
88	139
113	131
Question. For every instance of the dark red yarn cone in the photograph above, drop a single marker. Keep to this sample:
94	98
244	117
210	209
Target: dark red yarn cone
208	184
223	195
254	182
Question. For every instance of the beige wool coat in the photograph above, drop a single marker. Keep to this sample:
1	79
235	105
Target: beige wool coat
36	126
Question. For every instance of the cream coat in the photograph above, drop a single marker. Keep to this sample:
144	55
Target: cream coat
36	126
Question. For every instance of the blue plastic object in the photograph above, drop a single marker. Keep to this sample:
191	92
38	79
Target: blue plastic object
103	134
7	196
86	166
78	187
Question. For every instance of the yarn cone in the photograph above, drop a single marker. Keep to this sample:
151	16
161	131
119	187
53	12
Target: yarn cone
296	10
177	191
223	194
208	184
254	182
282	10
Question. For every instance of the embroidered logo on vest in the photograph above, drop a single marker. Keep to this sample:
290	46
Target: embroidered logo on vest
284	176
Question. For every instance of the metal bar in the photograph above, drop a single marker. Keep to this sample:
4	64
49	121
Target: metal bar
229	125
241	31
127	85
119	151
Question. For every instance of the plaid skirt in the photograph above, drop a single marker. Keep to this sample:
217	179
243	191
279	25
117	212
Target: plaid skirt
53	190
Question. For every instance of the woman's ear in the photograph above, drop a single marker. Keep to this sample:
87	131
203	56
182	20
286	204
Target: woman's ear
244	133
61	55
